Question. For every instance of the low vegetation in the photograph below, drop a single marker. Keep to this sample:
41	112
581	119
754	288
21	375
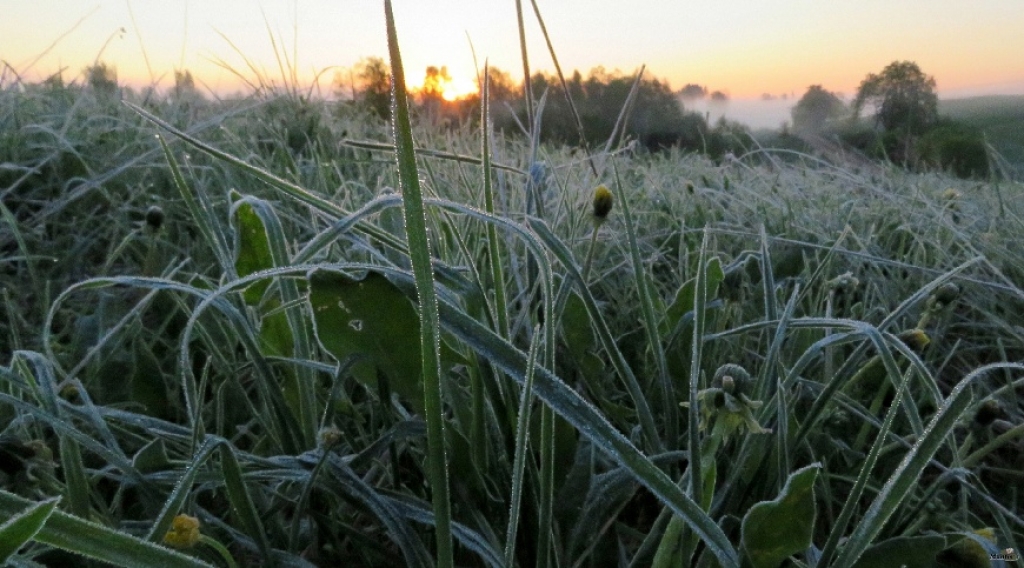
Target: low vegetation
211	345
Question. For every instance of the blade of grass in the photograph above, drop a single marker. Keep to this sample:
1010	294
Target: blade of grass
493	251
700	299
669	404
521	449
416	228
22	526
565	87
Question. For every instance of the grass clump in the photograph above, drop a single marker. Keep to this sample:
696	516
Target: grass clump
197	336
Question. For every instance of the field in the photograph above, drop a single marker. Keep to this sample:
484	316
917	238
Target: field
275	332
999	117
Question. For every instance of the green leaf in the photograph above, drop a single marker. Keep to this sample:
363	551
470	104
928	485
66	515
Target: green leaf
373	318
241	502
253	250
579	337
909	552
775	530
683	301
20	528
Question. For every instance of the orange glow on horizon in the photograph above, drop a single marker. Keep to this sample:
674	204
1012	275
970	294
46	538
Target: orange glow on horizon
439	82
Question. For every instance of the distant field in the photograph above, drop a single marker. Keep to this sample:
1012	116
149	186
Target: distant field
1001	118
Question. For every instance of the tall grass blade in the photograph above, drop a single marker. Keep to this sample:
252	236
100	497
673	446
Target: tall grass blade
565	88
669	404
416	228
493	244
521	449
700	299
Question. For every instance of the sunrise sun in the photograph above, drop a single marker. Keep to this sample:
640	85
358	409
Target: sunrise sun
438	81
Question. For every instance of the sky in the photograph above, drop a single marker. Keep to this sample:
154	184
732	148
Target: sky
745	48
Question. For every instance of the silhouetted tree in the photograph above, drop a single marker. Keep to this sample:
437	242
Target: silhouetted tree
692	91
902	96
102	79
373	88
719	97
815	108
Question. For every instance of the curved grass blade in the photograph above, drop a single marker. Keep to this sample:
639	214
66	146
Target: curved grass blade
383	508
562	253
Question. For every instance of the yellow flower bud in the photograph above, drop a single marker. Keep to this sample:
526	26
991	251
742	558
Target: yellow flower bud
916	339
603	201
184	532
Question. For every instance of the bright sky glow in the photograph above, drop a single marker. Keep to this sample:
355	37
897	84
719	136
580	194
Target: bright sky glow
743	48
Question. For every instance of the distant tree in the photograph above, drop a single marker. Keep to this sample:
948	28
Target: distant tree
184	89
102	79
503	88
692	91
815	109
719	97
902	96
373	87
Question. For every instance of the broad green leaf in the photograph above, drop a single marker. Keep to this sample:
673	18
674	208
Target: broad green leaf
152	457
579	337
909	552
253	253
775	530
683	301
373	318
20	528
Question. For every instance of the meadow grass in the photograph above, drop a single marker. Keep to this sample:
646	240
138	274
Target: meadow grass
319	355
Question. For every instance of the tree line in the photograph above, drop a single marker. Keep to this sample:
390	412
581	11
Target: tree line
656	119
893	116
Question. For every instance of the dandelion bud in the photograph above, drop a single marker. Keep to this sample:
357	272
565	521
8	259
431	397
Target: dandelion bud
916	339
603	201
329	436
155	217
988	412
731	378
947	293
844	282
184	532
